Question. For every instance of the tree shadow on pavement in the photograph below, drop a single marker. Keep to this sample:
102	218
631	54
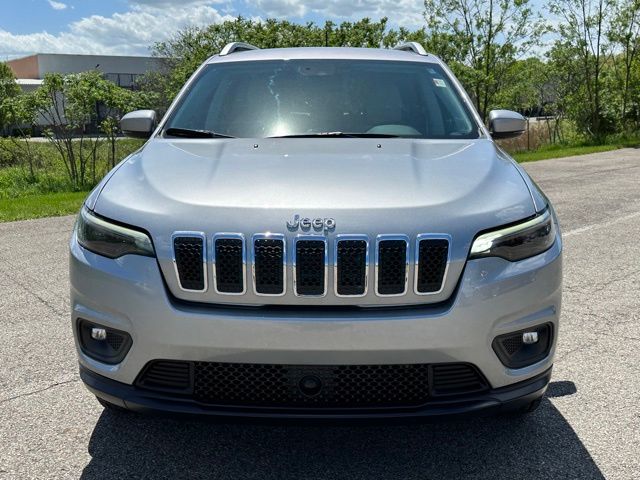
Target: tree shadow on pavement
541	445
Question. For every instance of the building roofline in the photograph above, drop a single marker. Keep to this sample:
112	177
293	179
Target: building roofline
85	55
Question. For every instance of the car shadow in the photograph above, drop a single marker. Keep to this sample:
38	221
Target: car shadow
541	445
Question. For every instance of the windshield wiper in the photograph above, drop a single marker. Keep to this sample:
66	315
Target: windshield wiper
338	134
194	133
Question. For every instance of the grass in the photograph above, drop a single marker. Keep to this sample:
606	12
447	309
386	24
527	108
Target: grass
43	205
559	151
49	191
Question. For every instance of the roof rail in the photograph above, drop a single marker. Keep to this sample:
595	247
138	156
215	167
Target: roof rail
236	47
414	47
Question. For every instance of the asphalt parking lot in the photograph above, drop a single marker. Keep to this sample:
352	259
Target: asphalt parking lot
588	426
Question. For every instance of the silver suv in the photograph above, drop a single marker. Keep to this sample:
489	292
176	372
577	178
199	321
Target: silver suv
315	233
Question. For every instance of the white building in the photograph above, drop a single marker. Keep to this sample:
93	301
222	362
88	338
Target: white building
121	70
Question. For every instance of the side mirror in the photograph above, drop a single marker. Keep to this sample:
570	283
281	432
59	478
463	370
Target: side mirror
138	124
506	124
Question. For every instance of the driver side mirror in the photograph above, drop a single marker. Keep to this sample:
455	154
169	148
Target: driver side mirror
139	124
506	124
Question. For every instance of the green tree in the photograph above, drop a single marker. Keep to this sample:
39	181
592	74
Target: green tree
581	52
527	91
484	38
20	112
624	38
8	90
116	102
69	104
188	48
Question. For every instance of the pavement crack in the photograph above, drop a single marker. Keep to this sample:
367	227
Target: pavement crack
30	291
35	392
618	336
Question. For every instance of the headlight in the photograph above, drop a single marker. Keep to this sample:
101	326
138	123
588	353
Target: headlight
111	240
517	242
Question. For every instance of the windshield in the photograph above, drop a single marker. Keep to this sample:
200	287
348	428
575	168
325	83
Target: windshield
319	97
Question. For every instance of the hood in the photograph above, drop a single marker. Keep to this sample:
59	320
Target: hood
368	186
184	178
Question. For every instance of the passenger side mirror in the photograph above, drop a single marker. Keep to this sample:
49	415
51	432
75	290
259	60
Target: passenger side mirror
506	124
139	124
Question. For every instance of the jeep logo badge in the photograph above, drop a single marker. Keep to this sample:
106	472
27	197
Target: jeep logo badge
306	224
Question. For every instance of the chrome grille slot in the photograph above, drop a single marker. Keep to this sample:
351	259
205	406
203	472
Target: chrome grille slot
310	266
431	263
269	264
392	258
352	263
229	264
268	260
189	260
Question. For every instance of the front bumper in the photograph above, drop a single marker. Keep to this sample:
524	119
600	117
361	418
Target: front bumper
512	398
493	297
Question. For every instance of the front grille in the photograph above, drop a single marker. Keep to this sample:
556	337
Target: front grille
433	255
229	258
189	260
310	267
268	264
392	267
351	267
311	386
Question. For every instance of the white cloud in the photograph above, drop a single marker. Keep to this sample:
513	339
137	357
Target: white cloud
147	21
128	33
173	2
57	5
400	12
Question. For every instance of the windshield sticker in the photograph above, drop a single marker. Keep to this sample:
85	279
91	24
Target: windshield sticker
439	83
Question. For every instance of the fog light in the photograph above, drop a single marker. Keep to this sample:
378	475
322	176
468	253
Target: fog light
98	333
103	343
524	347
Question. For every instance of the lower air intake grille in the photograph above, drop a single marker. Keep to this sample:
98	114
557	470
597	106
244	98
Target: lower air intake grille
310	267
311	386
351	265
268	266
432	263
189	255
392	267
165	375
314	386
456	378
229	265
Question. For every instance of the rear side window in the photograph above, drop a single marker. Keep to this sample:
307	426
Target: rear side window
297	97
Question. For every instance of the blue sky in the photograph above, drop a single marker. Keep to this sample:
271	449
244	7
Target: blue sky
128	27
